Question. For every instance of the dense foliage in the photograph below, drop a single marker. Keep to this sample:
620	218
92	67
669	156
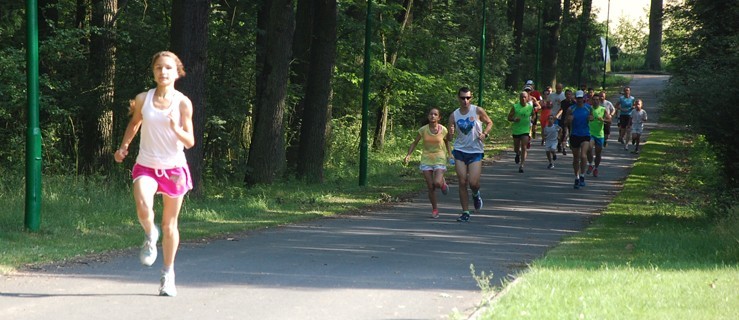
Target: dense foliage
704	38
437	52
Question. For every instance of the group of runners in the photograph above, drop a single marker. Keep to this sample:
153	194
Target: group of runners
163	116
579	121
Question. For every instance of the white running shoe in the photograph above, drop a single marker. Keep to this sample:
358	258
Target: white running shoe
148	252
167	287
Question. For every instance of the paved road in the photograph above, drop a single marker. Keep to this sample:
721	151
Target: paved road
393	263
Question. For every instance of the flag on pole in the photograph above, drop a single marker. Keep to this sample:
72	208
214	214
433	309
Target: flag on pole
606	54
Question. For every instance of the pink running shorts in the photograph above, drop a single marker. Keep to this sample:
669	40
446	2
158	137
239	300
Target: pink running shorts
175	182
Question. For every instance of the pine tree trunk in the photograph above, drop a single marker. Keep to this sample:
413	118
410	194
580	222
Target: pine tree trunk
514	77
304	22
654	46
318	93
189	36
267	150
97	119
582	40
550	51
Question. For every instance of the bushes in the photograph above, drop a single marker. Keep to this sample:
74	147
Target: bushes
702	92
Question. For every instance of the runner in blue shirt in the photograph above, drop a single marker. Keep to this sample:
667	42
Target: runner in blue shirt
579	117
625	104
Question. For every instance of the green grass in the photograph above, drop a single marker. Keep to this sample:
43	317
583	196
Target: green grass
82	217
657	252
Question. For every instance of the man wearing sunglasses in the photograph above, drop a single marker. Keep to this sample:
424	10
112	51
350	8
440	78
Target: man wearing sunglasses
466	123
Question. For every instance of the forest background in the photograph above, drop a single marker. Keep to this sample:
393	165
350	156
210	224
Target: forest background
277	84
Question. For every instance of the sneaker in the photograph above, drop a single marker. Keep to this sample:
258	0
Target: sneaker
564	151
635	152
590	169
595	172
520	169
148	253
444	189
465	217
577	184
518	158
554	157
605	143
582	181
435	213
167	287
626	147
477	199
550	166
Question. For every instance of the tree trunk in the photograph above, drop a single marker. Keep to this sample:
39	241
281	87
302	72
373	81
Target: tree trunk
318	93
582	40
304	23
97	119
189	37
267	150
390	57
654	46
550	51
514	77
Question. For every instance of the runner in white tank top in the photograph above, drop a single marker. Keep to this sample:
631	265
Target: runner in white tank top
165	118
466	122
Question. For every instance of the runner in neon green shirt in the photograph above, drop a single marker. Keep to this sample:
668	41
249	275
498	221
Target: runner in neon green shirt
597	135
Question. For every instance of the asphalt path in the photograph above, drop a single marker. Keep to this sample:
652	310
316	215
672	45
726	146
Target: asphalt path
391	263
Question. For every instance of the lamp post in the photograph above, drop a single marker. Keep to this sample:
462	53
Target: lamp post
363	143
482	53
33	132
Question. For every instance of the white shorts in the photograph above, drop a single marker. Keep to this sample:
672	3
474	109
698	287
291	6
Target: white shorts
551	146
638	129
425	167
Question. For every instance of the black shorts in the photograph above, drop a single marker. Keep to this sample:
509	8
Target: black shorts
606	128
576	141
519	136
623	121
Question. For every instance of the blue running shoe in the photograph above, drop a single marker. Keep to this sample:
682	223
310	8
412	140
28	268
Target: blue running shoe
582	181
577	184
477	199
465	217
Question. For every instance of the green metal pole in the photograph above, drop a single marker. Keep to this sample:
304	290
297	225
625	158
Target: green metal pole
33	133
363	144
607	51
481	85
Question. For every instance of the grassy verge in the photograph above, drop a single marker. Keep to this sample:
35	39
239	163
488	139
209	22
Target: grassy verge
82	217
659	251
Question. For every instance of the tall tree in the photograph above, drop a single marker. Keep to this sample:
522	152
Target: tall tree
654	47
390	58
514	77
317	110
189	37
304	21
97	118
550	50
267	150
582	40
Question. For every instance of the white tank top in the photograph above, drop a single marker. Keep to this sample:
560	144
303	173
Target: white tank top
468	129
159	147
